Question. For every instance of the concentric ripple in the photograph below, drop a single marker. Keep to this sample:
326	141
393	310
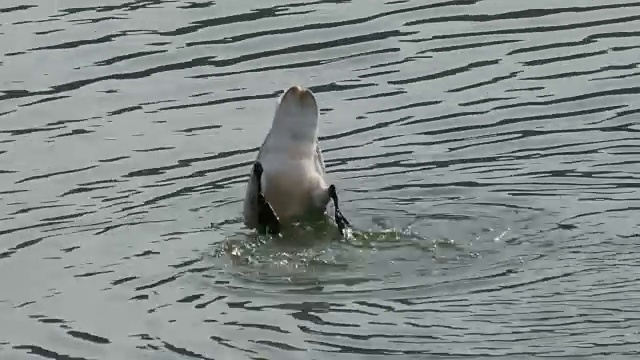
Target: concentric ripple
485	150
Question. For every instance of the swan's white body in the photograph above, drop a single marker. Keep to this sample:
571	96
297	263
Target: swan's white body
292	180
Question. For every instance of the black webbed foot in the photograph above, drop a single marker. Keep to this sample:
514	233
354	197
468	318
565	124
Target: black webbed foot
341	221
267	219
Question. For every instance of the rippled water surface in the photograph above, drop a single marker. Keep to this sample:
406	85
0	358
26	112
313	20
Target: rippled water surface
487	153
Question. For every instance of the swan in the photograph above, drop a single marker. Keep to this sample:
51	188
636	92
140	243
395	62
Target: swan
286	181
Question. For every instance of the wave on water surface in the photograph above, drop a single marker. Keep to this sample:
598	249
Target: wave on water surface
485	152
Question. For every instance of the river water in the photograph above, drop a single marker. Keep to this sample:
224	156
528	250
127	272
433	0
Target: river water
486	152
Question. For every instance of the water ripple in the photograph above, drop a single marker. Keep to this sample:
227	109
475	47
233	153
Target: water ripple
486	152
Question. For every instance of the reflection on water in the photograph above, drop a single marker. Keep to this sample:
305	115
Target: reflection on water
486	153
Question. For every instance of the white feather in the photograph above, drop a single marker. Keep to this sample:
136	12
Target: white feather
292	181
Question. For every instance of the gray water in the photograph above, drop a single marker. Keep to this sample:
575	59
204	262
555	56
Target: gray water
486	152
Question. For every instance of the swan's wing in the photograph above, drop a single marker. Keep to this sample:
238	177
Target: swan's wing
318	160
250	208
250	211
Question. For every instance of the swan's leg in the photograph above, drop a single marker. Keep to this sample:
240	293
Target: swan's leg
267	218
341	221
